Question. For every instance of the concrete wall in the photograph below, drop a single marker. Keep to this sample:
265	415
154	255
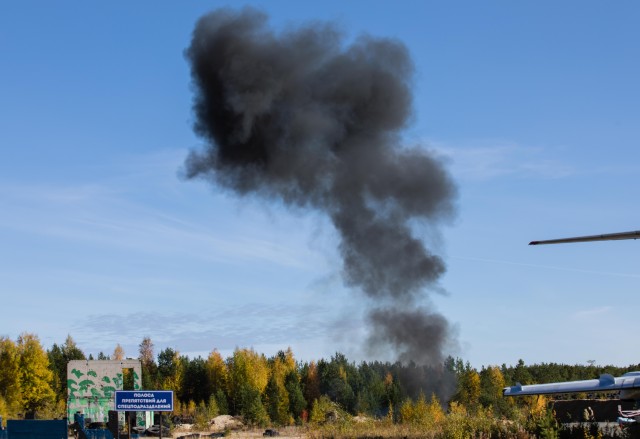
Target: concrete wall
91	386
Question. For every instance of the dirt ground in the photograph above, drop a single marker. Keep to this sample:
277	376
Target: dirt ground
284	433
287	432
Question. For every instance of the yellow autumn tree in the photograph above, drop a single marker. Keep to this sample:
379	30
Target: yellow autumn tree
288	360
10	390
35	375
118	353
248	367
469	389
537	406
426	415
217	372
407	411
248	378
3	412
434	411
457	420
218	377
495	381
492	382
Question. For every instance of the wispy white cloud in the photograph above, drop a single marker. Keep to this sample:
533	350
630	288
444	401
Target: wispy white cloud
546	267
143	239
485	160
222	327
592	312
116	213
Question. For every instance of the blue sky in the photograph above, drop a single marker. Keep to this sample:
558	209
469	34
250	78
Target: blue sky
534	106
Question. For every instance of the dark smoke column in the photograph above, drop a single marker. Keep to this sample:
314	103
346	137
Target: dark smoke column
302	118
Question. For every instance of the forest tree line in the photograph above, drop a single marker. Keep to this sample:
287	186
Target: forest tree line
279	390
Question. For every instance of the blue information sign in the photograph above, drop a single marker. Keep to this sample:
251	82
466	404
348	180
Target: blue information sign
144	400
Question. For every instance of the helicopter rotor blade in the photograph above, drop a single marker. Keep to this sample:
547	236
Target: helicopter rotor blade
606	237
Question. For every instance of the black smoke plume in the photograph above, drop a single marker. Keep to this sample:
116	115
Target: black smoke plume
301	116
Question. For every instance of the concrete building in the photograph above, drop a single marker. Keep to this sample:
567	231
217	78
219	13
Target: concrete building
91	387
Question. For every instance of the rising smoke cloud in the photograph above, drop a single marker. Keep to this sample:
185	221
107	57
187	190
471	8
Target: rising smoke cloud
304	118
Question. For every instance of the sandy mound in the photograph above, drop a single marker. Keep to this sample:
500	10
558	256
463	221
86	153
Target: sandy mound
226	422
